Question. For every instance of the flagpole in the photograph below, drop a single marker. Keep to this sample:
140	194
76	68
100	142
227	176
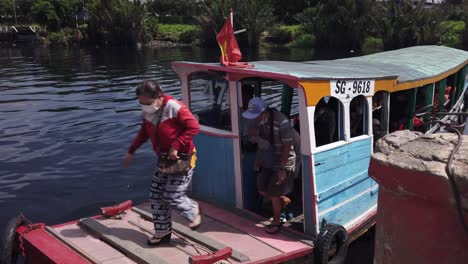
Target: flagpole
232	18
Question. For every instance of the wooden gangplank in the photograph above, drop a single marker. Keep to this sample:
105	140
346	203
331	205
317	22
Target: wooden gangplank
195	236
71	245
130	249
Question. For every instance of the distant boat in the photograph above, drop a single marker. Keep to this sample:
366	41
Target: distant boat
340	107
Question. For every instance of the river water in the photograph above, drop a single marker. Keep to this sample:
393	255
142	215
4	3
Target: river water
67	117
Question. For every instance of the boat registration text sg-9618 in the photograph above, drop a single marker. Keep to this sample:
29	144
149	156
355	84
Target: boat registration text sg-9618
351	88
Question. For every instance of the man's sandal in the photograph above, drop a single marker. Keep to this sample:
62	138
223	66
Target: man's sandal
285	201
273	228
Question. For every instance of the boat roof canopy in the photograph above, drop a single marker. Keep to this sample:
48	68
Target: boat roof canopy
407	65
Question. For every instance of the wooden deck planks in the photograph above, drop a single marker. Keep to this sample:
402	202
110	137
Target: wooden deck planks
231	237
123	260
239	240
71	245
100	251
221	228
129	248
227	235
280	241
294	234
176	252
196	236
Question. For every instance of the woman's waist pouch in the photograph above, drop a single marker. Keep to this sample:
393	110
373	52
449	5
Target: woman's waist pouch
175	167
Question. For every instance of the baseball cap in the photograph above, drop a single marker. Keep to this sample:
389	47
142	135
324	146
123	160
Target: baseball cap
255	108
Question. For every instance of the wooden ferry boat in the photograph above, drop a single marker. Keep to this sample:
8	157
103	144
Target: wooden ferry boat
340	107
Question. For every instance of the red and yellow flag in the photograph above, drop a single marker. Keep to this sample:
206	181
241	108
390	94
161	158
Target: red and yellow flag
230	52
227	42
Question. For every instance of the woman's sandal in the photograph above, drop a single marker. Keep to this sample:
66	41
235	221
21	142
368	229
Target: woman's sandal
154	241
273	228
197	221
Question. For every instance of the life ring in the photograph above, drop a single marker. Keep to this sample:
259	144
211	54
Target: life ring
9	252
331	235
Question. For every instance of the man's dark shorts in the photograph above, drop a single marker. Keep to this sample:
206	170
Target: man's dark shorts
266	182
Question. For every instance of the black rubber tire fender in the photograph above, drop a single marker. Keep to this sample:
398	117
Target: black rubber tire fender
329	234
9	252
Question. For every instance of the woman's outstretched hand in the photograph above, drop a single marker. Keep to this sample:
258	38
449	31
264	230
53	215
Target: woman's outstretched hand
127	160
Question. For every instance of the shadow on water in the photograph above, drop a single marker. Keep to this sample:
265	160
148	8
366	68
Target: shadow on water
67	117
361	251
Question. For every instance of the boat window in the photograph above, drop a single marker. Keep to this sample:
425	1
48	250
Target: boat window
328	121
271	92
275	93
379	110
421	106
209	100
443	99
399	110
358	116
421	99
452	88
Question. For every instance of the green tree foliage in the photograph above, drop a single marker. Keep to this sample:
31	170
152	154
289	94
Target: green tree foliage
253	15
43	12
465	35
347	23
56	14
173	11
401	24
6	10
452	33
118	22
286	11
23	11
338	23
212	18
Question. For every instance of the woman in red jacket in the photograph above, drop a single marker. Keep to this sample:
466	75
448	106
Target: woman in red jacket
170	126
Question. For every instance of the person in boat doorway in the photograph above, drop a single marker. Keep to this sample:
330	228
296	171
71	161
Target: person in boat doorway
276	157
170	126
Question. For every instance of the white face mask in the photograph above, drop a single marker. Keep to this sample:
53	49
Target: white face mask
150	109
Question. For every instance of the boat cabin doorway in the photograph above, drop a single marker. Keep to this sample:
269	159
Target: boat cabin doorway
224	173
282	98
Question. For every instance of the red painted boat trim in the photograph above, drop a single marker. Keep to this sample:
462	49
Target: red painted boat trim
285	256
312	194
42	248
236	74
110	211
361	223
290	230
210	258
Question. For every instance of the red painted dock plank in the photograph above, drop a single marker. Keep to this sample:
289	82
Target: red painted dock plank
41	247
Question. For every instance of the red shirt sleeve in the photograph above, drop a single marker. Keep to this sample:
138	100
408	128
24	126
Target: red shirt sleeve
190	128
140	138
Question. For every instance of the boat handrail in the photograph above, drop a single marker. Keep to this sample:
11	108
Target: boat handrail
207	130
329	146
358	138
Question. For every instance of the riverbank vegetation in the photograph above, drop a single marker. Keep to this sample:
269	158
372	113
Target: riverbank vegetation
367	25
